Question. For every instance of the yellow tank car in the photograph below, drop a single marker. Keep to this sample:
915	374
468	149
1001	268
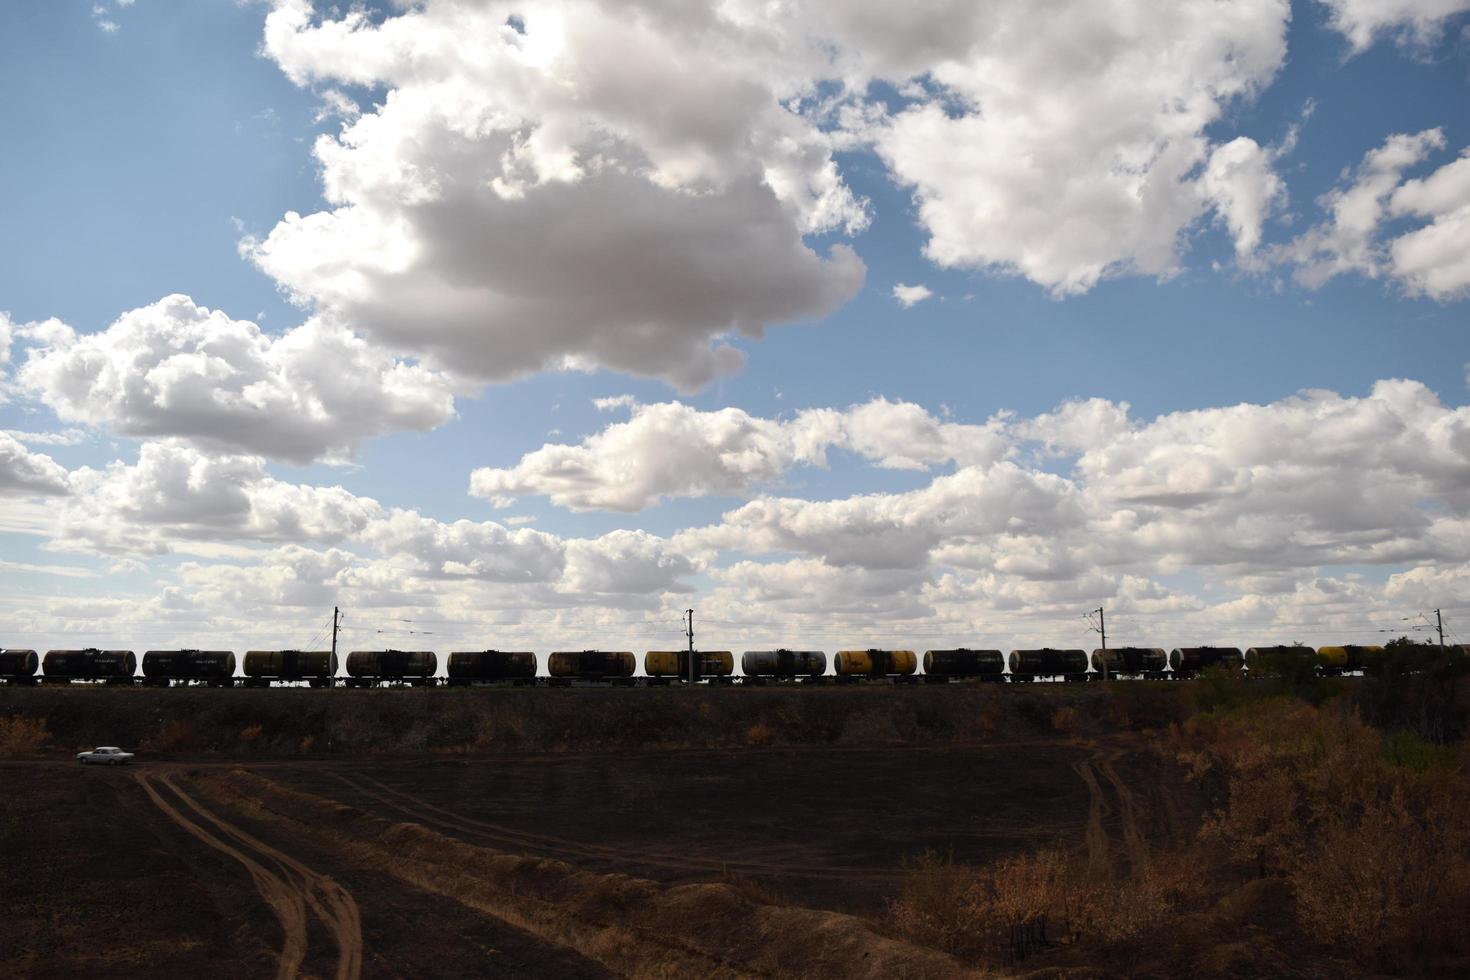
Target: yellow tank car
1340	660
875	663
675	663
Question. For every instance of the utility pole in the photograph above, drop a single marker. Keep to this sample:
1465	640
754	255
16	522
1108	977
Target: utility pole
336	618
689	631
1439	625
1102	630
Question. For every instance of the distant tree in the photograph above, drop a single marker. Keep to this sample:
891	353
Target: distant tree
1293	671
1413	686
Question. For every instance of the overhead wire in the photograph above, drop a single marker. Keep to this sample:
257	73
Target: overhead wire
1141	628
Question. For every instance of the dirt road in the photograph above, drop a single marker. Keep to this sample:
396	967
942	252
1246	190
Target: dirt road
288	889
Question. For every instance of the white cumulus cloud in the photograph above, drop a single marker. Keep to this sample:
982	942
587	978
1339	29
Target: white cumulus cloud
1241	183
1434	260
468	549
24	473
175	368
1430	260
595	185
671	450
175	493
910	296
1319	479
1417	22
1063	142
1233	524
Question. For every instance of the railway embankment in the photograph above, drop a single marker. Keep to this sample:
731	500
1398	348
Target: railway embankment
305	723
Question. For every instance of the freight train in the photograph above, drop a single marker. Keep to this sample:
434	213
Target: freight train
420	668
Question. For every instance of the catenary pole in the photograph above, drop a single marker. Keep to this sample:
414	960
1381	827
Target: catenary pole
336	618
1102	630
690	631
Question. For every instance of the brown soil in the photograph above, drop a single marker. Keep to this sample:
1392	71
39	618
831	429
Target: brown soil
101	881
547	854
827	827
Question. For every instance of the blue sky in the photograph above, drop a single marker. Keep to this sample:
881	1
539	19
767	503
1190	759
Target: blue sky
156	148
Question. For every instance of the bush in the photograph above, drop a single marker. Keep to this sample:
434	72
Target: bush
176	736
1370	830
1416	687
1406	750
1146	706
758	734
1021	905
938	906
1065	719
1220	689
20	735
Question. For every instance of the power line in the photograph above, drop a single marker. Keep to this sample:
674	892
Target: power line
834	628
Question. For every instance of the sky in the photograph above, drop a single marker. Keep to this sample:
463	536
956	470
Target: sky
530	326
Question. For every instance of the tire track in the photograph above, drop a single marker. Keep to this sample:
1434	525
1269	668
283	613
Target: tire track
633	927
332	904
1096	835
289	890
1133	840
285	901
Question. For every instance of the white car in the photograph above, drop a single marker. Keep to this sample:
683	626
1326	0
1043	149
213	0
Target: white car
107	755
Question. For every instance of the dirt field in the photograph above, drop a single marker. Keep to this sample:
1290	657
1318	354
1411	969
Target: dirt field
118	874
736	861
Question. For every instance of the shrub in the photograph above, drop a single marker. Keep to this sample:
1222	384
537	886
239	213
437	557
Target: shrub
940	905
21	735
1415	686
1146	706
758	734
1220	689
1370	831
176	736
1386	871
1023	904
1406	750
983	722
1065	719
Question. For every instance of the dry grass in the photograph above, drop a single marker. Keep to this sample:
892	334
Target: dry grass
939	906
23	735
1373	849
1021	905
1066	719
633	926
175	736
526	720
1358	839
758	734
